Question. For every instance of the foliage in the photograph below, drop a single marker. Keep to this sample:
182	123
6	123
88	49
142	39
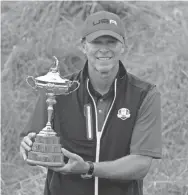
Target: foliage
157	38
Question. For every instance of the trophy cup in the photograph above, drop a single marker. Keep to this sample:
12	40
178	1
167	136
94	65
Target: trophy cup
46	149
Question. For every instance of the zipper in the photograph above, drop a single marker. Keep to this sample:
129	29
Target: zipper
99	134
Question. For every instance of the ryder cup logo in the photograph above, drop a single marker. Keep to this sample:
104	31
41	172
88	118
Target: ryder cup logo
123	113
104	21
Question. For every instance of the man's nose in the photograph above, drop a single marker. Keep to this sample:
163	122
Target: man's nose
104	50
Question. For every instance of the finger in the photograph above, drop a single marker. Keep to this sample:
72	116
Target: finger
23	153
27	140
44	168
70	154
25	146
66	169
32	135
63	170
56	169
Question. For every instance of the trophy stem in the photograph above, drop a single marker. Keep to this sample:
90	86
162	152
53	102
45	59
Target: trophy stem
48	131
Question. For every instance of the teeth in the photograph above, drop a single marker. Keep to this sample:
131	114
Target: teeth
103	58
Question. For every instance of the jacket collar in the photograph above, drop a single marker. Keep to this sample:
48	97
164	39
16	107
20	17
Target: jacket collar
83	76
121	73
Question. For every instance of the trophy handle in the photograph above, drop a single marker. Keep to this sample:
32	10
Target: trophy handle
78	85
31	82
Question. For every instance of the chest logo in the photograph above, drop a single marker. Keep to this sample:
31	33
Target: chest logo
123	113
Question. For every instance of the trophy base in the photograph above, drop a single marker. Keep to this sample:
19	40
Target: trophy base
46	151
45	164
45	160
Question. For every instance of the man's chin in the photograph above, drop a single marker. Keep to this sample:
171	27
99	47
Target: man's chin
105	68
104	73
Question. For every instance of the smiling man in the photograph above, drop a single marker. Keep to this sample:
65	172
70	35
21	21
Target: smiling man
113	154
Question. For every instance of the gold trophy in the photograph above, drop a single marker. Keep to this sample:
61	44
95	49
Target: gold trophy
46	149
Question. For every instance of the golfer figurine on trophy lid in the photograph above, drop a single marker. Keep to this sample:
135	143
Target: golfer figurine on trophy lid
46	149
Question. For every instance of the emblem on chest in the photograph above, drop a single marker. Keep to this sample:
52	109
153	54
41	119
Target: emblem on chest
123	113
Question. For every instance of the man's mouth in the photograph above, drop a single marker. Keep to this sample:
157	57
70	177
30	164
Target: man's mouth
104	58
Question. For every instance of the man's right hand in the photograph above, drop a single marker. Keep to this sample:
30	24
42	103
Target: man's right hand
26	144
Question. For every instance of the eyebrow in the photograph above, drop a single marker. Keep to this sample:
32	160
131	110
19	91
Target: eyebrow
111	40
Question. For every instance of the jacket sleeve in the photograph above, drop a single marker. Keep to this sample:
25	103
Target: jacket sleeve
38	118
147	133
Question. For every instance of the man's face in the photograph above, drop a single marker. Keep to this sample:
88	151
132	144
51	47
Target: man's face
103	54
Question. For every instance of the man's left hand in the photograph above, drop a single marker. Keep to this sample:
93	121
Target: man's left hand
75	165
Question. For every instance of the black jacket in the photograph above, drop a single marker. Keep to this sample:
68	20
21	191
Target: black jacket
113	142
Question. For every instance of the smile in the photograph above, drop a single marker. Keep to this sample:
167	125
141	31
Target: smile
104	58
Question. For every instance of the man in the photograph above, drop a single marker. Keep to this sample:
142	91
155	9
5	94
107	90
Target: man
117	152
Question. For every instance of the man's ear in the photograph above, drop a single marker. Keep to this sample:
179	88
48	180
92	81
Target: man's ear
122	49
83	47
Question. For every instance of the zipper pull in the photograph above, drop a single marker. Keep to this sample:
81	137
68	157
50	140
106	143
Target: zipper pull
89	121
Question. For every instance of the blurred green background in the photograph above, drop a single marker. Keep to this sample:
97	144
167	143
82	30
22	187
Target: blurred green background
157	51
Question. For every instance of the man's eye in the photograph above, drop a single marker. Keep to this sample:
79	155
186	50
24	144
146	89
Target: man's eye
105	43
96	42
112	42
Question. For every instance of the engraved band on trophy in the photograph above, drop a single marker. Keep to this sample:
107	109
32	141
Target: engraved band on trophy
46	149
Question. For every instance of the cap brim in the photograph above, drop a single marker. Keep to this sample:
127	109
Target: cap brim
99	33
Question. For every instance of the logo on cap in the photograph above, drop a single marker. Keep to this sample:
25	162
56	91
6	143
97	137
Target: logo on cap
123	113
113	22
106	21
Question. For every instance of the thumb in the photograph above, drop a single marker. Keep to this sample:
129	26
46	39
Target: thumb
70	154
31	135
23	153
